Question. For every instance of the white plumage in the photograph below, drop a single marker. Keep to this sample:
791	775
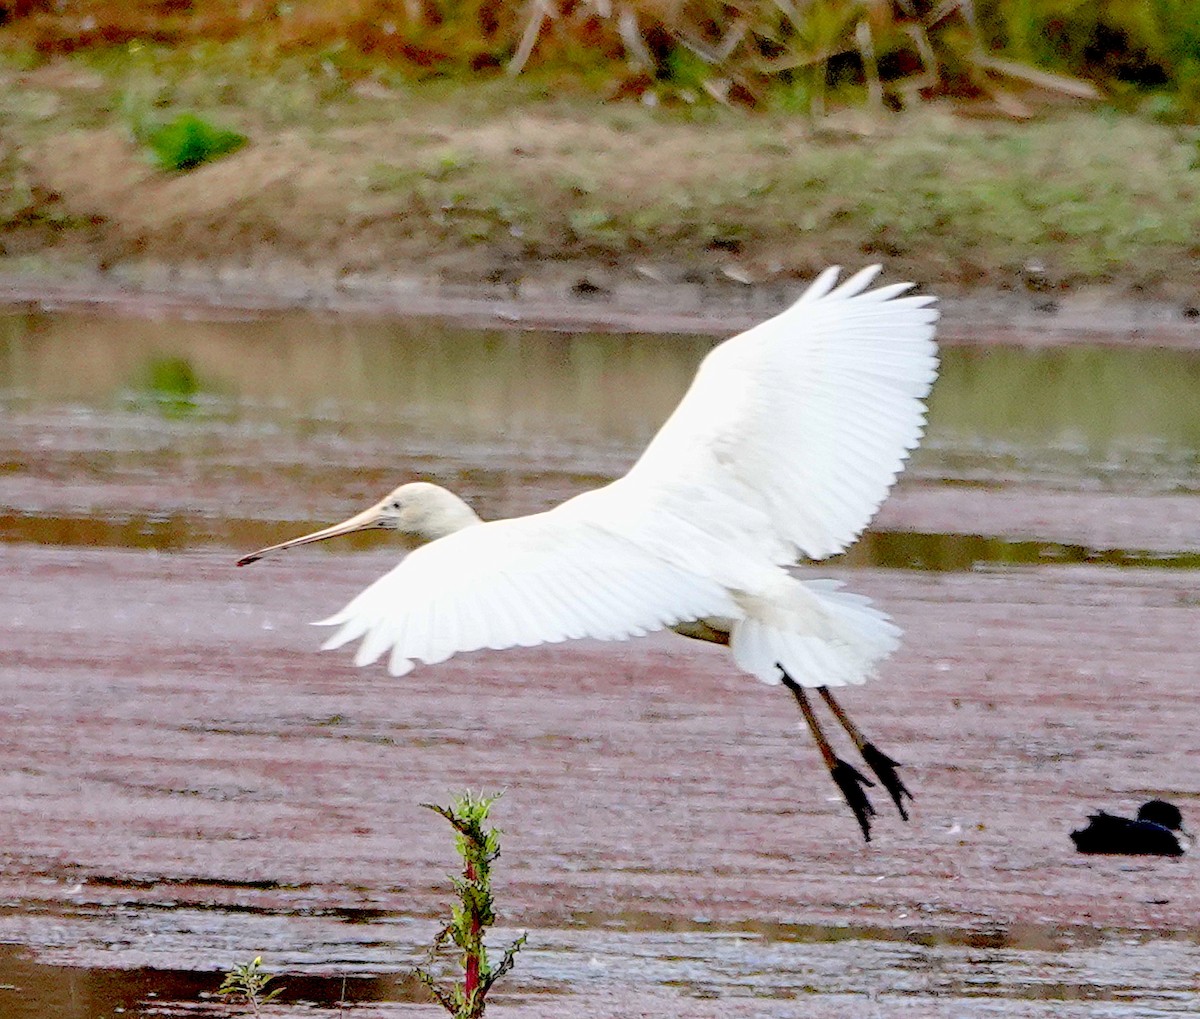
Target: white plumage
784	447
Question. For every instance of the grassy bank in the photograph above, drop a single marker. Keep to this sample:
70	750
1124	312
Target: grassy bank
763	53
520	178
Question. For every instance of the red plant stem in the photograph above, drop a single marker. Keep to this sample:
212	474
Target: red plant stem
471	978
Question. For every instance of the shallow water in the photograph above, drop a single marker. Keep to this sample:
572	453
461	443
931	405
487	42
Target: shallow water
268	424
335	963
1107	414
185	437
908	550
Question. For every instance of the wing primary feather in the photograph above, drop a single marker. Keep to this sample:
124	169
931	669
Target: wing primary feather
376	642
821	286
881	294
398	664
351	629
857	283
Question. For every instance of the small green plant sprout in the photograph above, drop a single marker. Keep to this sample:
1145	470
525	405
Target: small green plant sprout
188	141
473	913
247	985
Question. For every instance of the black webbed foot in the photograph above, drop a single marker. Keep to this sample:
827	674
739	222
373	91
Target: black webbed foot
851	782
885	770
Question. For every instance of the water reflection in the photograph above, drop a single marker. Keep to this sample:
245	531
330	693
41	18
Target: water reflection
170	386
955	973
35	990
1096	416
382	376
905	550
1090	416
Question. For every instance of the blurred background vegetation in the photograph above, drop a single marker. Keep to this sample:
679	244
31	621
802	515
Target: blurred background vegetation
1035	145
801	53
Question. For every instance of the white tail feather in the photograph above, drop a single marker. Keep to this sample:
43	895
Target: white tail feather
818	634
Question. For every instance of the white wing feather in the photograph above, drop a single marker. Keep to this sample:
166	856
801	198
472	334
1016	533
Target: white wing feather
806	418
786	444
531	580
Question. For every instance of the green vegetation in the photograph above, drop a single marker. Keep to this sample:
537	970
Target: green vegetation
755	52
187	141
474	913
246	985
1147	51
168	385
373	154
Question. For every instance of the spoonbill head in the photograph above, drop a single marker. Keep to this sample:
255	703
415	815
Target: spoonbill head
419	512
782	450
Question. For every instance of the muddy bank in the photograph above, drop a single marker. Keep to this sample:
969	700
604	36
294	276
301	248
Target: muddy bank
513	187
174	741
572	302
188	783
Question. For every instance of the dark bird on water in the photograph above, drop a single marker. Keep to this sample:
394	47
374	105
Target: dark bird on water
1155	831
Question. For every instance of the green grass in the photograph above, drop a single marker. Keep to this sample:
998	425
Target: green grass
757	52
1092	197
246	985
436	178
188	141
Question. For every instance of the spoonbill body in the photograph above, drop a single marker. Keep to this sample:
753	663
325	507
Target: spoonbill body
782	450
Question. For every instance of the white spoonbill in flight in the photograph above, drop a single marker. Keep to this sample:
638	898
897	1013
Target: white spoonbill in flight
782	450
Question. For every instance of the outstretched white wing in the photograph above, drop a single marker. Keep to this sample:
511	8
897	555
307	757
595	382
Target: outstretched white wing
531	580
805	420
786	443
